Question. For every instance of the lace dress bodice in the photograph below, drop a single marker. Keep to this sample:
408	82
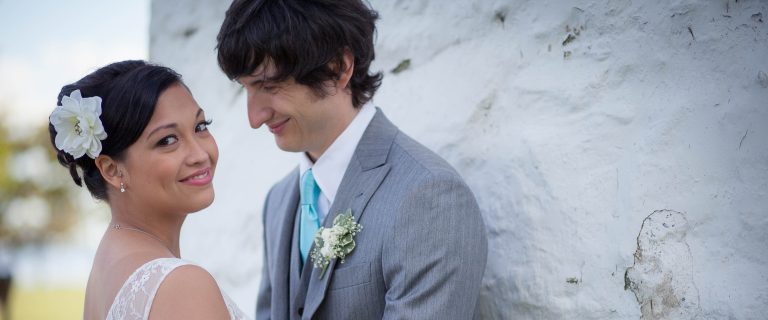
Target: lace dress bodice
134	300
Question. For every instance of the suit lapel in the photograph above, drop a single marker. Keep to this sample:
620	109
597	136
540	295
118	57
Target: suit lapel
283	255
295	264
366	171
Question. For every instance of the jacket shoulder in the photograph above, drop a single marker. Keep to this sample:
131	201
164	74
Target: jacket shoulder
408	152
286	183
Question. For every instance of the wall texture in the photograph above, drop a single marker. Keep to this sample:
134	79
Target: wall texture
618	149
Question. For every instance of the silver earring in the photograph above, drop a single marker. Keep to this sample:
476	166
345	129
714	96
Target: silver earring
122	187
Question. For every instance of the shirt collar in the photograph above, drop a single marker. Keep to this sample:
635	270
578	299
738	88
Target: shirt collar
329	169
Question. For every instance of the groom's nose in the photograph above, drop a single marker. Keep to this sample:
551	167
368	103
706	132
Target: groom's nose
258	111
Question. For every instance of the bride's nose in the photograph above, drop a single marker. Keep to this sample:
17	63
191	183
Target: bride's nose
197	153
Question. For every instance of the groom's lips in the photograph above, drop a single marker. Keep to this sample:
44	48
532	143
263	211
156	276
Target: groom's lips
277	127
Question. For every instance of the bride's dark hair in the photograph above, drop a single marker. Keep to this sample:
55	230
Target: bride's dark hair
129	91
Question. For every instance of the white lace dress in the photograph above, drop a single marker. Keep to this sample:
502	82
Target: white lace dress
134	300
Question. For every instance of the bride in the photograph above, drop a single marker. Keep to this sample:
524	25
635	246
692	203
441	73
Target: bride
133	133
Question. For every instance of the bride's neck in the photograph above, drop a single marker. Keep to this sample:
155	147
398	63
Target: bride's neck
163	227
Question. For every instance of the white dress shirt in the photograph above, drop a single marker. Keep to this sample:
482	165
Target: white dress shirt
330	167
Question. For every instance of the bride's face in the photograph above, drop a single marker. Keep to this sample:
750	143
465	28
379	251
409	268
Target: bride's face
170	167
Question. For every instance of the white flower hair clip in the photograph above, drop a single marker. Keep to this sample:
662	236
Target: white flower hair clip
79	130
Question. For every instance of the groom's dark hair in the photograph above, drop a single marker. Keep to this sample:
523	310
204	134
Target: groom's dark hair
304	39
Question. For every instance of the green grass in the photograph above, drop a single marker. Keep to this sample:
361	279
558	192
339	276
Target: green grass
46	303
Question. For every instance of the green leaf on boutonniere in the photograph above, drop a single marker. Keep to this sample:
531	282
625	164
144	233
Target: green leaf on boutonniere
335	242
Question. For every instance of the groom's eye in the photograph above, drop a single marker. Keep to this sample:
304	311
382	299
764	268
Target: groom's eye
269	86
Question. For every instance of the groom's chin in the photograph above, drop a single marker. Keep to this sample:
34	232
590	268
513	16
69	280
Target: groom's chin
287	146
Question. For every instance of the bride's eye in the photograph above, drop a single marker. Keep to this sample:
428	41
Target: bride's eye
168	140
203	126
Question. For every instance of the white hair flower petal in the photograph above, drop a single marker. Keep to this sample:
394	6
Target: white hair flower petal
79	130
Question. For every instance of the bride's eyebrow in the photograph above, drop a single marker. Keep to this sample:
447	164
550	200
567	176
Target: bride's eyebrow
171	125
167	126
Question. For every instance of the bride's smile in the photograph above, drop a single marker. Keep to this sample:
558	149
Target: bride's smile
200	178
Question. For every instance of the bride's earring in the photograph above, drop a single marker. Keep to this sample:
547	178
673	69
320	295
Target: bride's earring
122	185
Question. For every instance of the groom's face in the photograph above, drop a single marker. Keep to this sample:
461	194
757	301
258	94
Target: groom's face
299	119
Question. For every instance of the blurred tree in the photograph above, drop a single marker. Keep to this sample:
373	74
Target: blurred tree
36	202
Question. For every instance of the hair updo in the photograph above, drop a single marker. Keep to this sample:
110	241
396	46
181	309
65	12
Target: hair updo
129	91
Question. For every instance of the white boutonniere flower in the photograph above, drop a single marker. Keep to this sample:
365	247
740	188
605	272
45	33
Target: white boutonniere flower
335	242
79	130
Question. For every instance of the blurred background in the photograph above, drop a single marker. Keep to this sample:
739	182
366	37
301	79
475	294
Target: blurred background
49	228
617	149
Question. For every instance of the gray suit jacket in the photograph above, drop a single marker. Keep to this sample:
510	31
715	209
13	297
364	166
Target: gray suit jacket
421	253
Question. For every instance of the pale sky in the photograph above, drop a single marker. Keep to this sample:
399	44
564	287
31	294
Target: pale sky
47	44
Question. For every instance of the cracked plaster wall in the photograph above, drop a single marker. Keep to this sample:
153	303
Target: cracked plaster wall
662	275
580	126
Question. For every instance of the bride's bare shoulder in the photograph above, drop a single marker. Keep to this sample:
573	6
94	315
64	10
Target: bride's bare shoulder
112	265
189	292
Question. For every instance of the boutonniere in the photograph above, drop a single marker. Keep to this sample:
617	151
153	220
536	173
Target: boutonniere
335	242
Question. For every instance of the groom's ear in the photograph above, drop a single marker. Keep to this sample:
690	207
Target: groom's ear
109	169
344	69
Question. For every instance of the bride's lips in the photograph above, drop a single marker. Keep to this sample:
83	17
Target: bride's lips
199	178
277	127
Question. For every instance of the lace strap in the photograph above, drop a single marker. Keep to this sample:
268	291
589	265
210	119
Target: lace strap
134	300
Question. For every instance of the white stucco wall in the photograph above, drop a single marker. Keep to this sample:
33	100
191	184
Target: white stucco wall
639	146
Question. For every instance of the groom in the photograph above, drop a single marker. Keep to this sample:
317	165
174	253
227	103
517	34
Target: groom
422	249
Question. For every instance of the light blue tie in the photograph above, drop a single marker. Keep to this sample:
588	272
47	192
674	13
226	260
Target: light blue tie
309	192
